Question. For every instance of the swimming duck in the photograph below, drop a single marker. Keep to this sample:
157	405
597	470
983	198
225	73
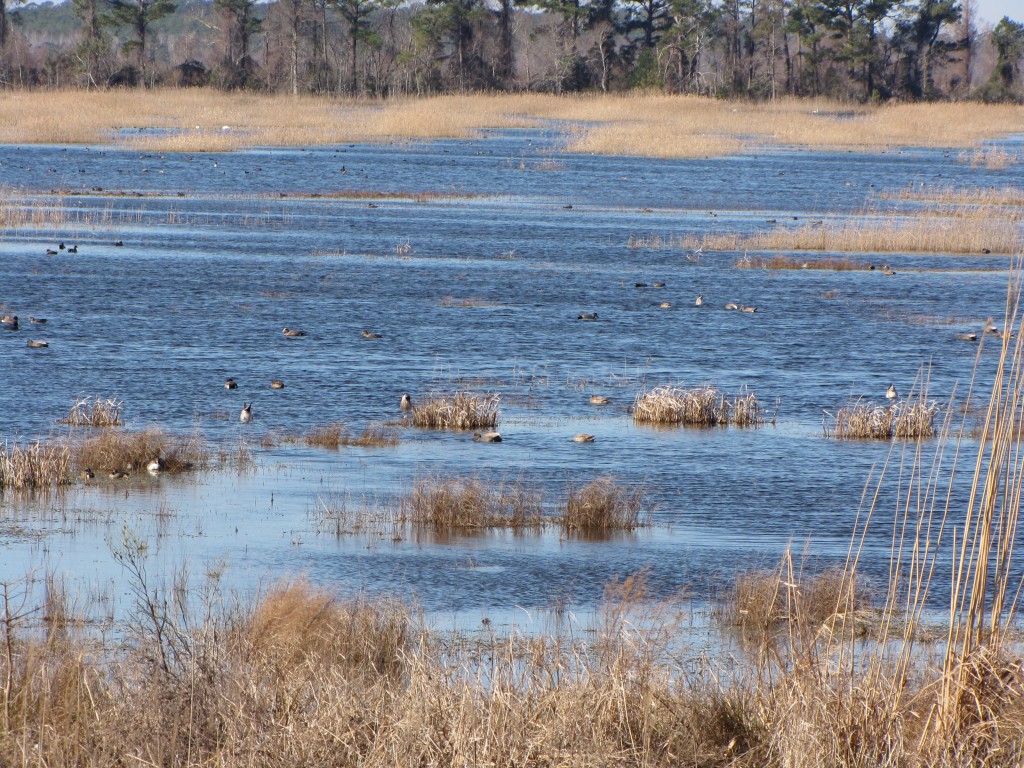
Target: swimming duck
73	249
487	437
293	333
61	246
887	270
657	285
276	384
118	475
39	320
599	400
37	344
9	322
890	393
640	285
246	414
50	252
86	474
731	305
968	337
666	305
748	309
587	316
230	383
699	300
156	466
406	403
118	243
583	437
370	335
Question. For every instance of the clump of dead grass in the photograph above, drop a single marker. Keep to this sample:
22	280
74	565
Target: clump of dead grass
863	421
447	503
130	451
94	412
337	434
698	407
462	410
788	262
603	505
35	466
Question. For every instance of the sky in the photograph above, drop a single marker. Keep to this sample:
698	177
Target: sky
993	10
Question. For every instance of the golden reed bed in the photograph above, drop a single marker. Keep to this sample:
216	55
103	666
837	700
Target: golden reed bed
648	125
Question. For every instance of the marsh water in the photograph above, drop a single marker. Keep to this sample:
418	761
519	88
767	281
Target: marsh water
472	260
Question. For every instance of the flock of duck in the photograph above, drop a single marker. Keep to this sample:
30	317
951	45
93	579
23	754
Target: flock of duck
697	302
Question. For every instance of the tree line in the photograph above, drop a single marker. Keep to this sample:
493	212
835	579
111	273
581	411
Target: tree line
858	50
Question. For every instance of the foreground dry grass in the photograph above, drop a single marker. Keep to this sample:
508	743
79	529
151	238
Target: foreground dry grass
637	124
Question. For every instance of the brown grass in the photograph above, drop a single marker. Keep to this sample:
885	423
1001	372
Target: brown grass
337	434
94	412
603	505
448	503
124	451
698	407
650	125
862	421
788	262
462	410
36	466
959	196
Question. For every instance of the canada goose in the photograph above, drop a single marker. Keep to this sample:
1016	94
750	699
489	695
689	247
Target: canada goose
370	335
406	402
156	466
73	249
86	474
731	305
890	393
276	384
293	333
666	305
583	437
699	301
487	437
230	383
36	344
587	316
39	320
599	400
246	414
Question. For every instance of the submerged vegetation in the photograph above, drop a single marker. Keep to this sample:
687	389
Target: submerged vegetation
337	434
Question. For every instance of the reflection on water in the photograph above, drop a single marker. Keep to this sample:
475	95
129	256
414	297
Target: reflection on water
478	287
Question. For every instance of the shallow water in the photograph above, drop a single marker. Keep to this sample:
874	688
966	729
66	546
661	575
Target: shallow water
478	286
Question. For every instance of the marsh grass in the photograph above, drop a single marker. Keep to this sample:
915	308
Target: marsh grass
697	407
462	410
451	503
337	434
863	421
604	505
130	451
35	466
959	196
788	262
94	412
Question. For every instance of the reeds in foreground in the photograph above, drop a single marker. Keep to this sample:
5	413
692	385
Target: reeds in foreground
698	407
119	451
35	466
604	505
462	410
94	412
447	503
863	421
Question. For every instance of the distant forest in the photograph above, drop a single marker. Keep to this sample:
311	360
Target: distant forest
855	50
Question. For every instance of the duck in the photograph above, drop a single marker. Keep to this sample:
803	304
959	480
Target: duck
39	320
887	270
37	344
599	400
666	305
156	466
86	474
890	393
587	316
699	301
73	249
293	333
9	322
370	335
640	285
732	305
61	246
583	437
118	243
967	336
276	384
245	416
748	309
118	474
406	402
230	383
657	285
487	437
51	252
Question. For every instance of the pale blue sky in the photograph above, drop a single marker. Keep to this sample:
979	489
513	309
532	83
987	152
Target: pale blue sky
994	10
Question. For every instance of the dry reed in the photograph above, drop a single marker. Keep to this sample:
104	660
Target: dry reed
35	466
462	410
787	262
699	407
337	434
862	421
120	451
959	196
603	505
447	503
94	412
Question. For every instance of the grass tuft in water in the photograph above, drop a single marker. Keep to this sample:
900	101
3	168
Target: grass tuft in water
446	503
862	421
697	407
94	412
35	466
118	451
604	505
462	410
